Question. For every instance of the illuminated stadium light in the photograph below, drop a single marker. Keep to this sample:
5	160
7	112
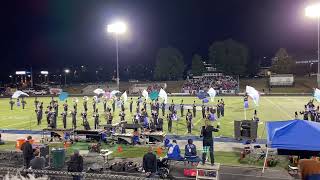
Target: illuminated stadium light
44	72
21	72
118	28
313	10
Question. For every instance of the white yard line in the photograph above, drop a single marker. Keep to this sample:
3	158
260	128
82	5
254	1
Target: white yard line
278	107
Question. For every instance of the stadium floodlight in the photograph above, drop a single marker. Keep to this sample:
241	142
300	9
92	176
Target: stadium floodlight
314	12
21	72
10	76
66	71
117	28
44	72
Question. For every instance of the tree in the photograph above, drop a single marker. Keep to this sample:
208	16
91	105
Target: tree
169	64
282	62
197	65
230	56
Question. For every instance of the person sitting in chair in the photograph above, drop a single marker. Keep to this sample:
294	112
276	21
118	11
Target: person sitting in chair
136	136
190	150
174	151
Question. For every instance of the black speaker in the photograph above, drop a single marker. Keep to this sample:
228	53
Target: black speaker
237	130
245	129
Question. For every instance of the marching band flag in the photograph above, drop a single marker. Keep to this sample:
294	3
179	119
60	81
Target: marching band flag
212	93
254	94
18	94
316	94
99	91
163	95
124	96
145	94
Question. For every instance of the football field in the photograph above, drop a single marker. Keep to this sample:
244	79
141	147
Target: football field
270	108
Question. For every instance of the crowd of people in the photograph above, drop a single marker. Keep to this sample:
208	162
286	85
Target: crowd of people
193	86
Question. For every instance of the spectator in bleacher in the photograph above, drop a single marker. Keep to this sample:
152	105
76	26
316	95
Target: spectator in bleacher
37	162
75	164
27	152
193	86
190	150
150	162
174	151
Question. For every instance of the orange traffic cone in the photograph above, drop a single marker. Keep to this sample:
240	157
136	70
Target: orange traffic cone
119	149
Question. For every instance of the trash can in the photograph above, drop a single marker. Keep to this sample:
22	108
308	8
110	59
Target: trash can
58	158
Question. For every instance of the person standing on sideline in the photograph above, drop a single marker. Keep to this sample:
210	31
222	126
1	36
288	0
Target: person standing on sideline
23	102
130	106
64	119
113	105
11	102
218	109
65	106
194	108
189	121
39	116
75	164
150	162
96	119
74	119
163	108
206	134
181	108
169	118
222	107
203	110
27	152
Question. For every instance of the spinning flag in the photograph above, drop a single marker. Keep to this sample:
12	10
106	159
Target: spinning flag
63	96
145	94
212	93
254	94
163	95
124	96
316	94
99	91
206	100
154	95
18	94
202	95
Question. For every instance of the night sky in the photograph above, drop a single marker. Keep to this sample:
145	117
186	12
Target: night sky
65	33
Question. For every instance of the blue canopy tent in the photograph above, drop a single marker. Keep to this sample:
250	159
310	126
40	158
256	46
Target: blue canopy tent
293	135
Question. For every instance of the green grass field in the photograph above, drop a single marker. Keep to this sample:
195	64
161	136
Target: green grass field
270	108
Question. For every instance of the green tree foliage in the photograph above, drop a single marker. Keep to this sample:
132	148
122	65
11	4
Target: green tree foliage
282	63
230	56
169	64
197	65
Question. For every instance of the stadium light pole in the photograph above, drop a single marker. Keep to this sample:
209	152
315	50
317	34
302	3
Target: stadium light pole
117	28
66	71
313	11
